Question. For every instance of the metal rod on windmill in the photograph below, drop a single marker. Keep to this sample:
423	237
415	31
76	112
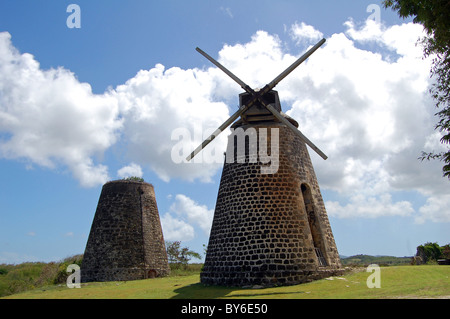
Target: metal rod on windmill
258	96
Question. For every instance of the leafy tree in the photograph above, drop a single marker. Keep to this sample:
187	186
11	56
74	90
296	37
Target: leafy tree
446	251
434	15
431	251
180	256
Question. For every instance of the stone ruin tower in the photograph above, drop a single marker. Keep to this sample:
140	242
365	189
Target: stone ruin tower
270	225
126	240
270	229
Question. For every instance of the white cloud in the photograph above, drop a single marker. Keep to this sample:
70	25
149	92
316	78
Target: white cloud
436	209
50	118
194	212
369	207
130	170
187	214
400	38
256	63
176	229
362	98
369	110
373	116
155	103
304	34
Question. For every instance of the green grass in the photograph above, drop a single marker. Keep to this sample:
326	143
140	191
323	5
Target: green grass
396	282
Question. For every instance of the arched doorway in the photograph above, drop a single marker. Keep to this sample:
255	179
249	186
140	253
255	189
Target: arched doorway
314	225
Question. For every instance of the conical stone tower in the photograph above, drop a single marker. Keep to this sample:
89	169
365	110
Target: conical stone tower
126	240
270	226
269	229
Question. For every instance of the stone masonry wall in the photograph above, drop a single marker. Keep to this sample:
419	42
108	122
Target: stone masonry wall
126	240
261	232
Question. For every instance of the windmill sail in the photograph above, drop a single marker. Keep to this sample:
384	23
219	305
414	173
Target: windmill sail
258	96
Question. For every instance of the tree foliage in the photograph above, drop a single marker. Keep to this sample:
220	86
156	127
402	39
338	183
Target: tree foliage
446	251
430	251
179	256
434	15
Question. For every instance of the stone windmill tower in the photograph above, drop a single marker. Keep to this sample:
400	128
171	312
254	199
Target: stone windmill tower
126	240
270	225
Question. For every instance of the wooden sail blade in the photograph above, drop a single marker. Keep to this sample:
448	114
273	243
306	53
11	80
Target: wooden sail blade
294	65
216	133
224	69
295	130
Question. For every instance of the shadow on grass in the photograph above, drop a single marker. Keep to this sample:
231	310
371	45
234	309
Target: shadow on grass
200	291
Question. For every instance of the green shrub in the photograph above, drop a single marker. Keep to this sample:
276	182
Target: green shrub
134	179
21	277
431	252
26	276
62	274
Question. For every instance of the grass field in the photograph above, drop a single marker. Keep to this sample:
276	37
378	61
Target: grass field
428	281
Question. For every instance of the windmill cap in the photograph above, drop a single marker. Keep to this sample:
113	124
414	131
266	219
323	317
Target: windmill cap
240	122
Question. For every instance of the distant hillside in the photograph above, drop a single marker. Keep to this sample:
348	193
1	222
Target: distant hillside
364	260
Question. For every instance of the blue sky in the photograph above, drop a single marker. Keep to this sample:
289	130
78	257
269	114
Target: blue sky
77	105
